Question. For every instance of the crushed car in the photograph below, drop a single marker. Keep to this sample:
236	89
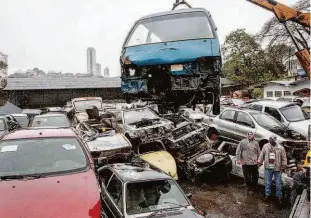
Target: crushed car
132	191
177	59
194	154
155	154
142	125
104	143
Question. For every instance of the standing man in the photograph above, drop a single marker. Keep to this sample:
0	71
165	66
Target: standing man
273	156
247	154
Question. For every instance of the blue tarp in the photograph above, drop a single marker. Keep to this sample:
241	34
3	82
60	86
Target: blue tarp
9	108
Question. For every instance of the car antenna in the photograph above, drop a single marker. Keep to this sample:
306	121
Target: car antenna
180	2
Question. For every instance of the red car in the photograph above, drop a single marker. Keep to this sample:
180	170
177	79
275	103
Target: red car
47	173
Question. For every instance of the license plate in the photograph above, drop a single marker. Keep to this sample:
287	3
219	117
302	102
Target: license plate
177	67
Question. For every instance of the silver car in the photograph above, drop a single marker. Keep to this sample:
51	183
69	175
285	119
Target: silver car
233	124
290	114
142	124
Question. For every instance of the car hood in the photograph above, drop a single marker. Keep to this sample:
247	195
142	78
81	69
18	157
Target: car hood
162	160
172	52
107	143
300	127
76	195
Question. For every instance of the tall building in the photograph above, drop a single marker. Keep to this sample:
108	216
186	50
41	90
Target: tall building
91	61
106	72
4	59
98	70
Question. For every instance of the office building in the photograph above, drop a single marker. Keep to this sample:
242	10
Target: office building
91	61
106	72
98	70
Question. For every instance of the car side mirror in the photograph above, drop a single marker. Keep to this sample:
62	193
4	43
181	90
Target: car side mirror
189	195
102	161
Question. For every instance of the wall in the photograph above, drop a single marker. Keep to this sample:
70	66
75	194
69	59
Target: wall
278	87
44	98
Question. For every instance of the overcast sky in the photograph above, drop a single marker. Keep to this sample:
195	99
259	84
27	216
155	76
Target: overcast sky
54	34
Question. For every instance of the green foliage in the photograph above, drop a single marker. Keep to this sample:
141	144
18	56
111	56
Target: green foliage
258	92
246	62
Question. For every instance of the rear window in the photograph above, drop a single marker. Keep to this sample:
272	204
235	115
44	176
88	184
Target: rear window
53	121
41	156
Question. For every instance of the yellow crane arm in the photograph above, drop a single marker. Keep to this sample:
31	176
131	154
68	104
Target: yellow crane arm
283	12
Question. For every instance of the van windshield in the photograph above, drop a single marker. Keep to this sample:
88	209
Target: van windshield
173	27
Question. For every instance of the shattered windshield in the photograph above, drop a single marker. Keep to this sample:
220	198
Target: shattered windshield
84	104
293	113
138	115
149	196
267	121
173	27
41	156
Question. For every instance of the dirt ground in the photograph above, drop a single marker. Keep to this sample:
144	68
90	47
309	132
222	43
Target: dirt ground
231	201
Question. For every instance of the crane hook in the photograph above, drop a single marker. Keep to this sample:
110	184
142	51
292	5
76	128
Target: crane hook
182	2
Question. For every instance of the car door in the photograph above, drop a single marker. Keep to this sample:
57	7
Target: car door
230	148
114	196
244	125
225	124
111	193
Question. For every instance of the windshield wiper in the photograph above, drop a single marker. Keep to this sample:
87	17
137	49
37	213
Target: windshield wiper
166	202
21	177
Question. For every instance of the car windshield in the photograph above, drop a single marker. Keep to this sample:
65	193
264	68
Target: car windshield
22	120
149	196
84	104
267	121
41	156
50	121
138	115
173	27
293	113
2	124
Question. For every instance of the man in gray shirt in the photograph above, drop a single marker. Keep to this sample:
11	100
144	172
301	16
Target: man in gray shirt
247	154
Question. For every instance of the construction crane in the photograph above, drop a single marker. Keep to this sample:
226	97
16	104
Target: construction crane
285	14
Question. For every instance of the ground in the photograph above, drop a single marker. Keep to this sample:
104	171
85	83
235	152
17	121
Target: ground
231	201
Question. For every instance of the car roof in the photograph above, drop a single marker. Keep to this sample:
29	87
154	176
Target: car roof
277	104
86	98
19	115
131	173
29	133
51	115
175	12
243	109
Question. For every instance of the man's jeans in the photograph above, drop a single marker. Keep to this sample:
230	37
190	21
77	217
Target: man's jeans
269	173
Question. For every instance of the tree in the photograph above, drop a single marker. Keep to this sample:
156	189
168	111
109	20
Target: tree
275	33
246	62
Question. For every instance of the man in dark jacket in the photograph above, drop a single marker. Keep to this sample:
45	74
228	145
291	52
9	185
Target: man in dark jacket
247	154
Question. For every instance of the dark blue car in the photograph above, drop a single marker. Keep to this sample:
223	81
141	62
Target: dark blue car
175	56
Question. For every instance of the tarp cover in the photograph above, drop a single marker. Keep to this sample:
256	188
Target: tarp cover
9	108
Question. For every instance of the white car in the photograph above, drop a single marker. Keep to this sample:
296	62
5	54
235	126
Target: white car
290	114
230	148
